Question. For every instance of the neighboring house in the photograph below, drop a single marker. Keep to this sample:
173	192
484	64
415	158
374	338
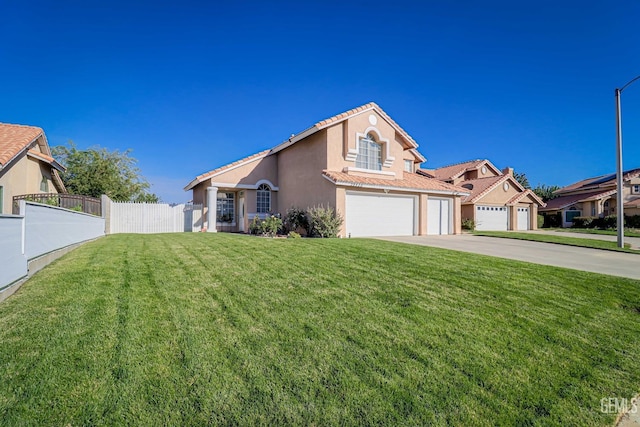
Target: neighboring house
595	197
359	162
496	201
26	165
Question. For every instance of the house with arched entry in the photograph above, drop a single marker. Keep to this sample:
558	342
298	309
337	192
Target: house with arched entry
595	197
360	162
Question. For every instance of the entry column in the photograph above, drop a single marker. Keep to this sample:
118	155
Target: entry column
212	199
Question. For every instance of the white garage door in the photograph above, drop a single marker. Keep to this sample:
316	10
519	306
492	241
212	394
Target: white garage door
438	216
380	215
492	218
523	218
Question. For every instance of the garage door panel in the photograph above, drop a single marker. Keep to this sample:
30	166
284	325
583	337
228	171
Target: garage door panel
492	218
438	216
380	215
523	219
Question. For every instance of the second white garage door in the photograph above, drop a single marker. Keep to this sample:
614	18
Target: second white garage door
438	216
494	218
369	214
523	218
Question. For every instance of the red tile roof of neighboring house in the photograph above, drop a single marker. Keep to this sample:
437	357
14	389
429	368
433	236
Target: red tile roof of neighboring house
206	175
598	181
50	160
410	181
14	139
568	200
455	170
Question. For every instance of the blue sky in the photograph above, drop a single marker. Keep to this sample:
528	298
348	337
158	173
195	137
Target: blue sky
190	86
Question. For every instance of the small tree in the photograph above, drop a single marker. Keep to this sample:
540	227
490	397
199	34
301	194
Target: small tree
522	179
97	171
324	222
546	192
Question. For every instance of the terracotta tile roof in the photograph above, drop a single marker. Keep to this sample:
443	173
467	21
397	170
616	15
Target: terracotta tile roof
46	158
569	199
635	203
452	171
481	186
14	139
515	199
410	181
206	175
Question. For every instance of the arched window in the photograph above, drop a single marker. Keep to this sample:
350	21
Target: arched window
369	154
264	199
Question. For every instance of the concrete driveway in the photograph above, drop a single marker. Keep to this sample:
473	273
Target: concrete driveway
585	259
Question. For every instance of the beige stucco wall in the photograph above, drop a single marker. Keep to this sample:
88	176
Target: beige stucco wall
343	137
468	212
498	196
300	169
23	176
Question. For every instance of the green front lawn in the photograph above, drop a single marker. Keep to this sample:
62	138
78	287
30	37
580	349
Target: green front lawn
196	329
559	239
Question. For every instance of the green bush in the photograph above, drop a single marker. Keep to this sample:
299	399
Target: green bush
293	235
295	220
632	221
324	222
468	224
540	221
267	227
552	220
584	222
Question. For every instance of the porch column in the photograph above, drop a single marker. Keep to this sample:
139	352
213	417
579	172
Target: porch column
212	199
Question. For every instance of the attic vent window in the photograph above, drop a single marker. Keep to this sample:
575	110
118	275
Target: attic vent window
468	186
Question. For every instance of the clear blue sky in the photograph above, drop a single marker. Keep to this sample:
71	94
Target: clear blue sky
190	86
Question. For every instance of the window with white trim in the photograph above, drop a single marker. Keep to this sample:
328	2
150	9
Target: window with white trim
369	154
225	207
263	199
635	189
408	165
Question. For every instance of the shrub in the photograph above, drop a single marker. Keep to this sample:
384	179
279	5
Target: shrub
267	227
295	220
324	222
540	221
468	224
293	235
632	221
583	222
552	220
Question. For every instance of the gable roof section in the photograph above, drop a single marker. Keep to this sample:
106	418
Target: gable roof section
515	199
322	124
411	181
568	200
446	173
15	139
597	182
483	186
225	168
47	159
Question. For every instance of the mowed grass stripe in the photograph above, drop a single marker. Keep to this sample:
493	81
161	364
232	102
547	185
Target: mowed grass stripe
194	329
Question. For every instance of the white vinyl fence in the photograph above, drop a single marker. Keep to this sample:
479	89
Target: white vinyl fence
130	217
39	230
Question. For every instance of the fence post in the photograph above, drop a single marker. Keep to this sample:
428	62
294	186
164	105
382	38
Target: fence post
105	203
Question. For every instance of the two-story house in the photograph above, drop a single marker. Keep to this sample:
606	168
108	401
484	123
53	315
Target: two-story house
360	162
595	197
496	200
26	165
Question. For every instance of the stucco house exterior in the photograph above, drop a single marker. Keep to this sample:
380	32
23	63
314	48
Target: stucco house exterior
360	162
595	197
26	165
496	200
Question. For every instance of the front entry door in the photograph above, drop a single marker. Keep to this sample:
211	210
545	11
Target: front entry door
241	213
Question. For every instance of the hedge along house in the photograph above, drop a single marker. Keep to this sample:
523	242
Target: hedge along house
26	165
496	201
595	197
359	162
